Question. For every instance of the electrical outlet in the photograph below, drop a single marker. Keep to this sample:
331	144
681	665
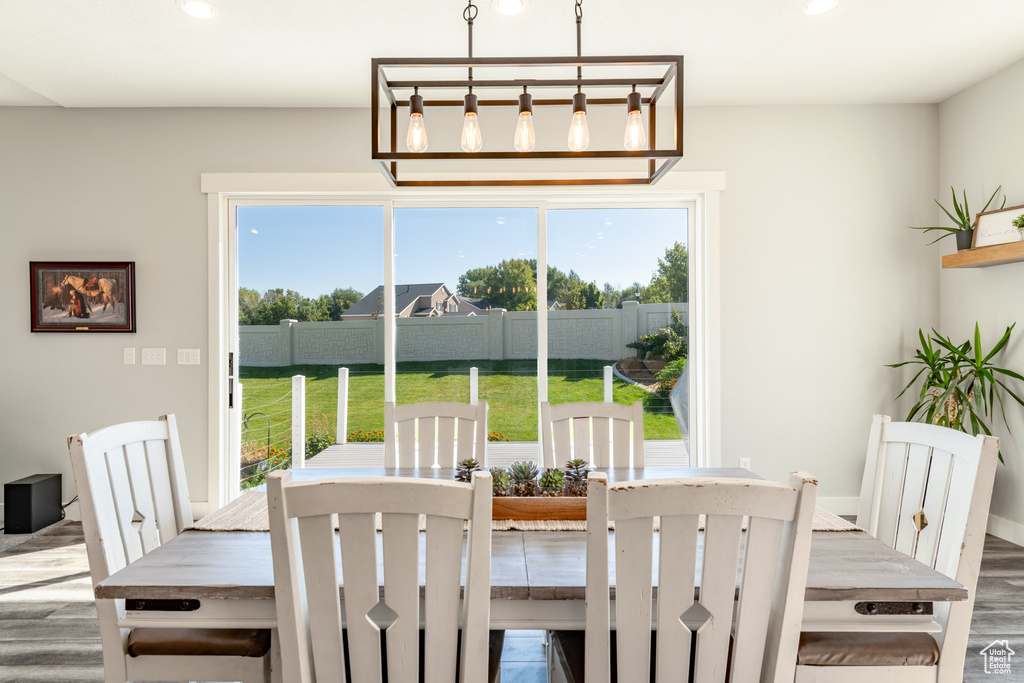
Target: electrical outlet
154	356
129	355
188	356
745	464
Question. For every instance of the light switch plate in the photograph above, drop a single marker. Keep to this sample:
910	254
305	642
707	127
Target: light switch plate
154	356
188	356
129	355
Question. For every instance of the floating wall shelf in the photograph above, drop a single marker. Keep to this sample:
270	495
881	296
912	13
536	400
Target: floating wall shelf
983	257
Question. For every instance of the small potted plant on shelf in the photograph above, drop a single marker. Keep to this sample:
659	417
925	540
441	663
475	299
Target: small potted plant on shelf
964	229
551	482
1018	223
524	475
500	481
576	477
465	468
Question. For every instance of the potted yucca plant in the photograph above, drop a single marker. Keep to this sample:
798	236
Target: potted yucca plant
962	389
964	229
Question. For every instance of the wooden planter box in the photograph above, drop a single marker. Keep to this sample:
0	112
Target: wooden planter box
539	507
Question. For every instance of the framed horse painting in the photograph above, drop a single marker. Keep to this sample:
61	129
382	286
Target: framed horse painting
83	296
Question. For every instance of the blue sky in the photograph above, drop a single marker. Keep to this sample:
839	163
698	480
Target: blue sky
316	249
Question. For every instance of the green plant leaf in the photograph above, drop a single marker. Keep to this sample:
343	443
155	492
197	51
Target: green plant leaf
999	344
991	198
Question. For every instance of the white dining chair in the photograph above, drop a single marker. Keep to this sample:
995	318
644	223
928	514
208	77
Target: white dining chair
446	433
684	636
131	486
601	433
373	628
926	492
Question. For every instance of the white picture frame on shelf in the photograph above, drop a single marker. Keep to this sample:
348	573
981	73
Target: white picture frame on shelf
996	227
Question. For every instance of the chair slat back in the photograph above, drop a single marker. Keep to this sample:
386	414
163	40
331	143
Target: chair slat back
603	434
926	492
696	595
131	483
917	489
446	434
306	550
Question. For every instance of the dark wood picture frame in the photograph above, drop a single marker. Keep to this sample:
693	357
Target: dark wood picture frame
82	296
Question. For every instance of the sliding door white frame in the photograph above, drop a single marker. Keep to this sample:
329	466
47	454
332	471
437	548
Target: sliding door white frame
697	191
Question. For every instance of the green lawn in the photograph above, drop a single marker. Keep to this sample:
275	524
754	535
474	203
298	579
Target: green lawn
509	387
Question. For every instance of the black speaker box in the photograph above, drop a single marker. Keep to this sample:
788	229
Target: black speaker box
32	503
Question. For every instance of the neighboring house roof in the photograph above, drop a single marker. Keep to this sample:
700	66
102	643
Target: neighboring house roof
479	304
405	296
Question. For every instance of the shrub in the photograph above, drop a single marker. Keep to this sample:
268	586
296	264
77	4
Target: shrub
669	343
318	442
668	375
254	474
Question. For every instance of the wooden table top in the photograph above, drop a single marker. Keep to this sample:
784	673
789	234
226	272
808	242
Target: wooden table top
525	565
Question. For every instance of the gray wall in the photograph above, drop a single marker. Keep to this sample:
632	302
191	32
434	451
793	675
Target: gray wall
821	283
983	147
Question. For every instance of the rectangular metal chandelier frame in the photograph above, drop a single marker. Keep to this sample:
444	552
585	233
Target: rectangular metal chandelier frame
672	78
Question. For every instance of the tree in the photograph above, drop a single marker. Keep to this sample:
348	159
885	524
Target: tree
511	285
669	284
473	281
248	306
612	296
342	300
580	295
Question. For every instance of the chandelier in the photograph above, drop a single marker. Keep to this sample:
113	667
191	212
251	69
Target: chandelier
407	90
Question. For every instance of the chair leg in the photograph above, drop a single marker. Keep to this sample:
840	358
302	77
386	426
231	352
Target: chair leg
276	667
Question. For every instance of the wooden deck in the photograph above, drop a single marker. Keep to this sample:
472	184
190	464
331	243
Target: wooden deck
668	453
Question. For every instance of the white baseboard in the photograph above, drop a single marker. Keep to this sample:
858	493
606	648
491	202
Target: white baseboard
1006	530
200	508
840	505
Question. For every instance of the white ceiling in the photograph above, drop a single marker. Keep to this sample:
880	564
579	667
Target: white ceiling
316	53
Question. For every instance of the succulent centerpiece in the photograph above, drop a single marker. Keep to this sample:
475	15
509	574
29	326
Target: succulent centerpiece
501	482
465	468
524	476
576	477
551	482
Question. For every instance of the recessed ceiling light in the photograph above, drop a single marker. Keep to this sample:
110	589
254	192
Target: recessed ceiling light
814	7
198	9
510	7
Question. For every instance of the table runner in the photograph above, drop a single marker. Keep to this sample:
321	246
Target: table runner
248	512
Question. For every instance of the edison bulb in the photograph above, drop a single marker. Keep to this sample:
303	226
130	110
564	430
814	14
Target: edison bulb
472	140
526	138
635	137
416	138
579	134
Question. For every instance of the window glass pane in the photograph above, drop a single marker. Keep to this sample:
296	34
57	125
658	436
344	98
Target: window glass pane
301	271
465	296
618	279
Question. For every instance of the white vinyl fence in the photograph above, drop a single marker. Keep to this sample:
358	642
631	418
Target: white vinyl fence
499	335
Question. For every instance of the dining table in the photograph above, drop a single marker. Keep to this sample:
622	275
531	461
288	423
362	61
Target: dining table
225	579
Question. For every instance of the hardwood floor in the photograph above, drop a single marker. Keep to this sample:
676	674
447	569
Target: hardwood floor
48	628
